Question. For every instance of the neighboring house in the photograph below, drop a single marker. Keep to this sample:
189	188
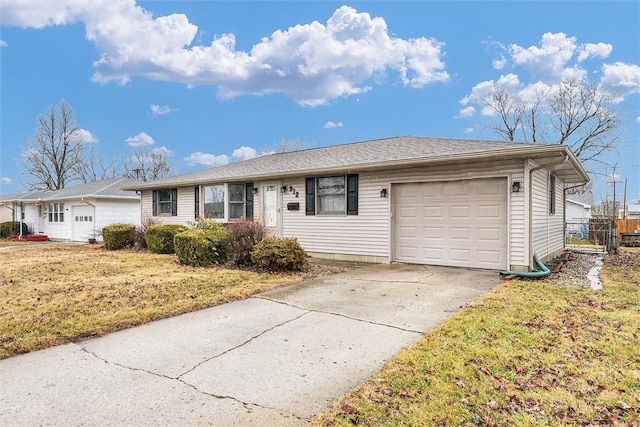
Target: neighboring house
479	204
577	211
75	213
633	212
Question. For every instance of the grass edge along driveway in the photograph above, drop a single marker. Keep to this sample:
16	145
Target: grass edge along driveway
60	294
525	354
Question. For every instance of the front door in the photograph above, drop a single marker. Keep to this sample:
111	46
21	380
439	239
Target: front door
270	208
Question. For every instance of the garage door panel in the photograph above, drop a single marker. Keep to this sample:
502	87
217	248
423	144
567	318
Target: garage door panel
457	223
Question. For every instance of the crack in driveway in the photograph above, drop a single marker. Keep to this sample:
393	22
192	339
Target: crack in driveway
311	310
181	380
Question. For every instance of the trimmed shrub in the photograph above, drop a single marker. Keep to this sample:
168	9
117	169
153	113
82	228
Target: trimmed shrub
118	236
9	228
206	224
200	248
279	254
159	238
242	237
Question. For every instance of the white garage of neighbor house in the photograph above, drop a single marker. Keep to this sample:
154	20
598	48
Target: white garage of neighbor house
478	204
75	213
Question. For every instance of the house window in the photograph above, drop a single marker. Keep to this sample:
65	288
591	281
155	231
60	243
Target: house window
165	202
237	205
56	212
332	195
552	194
214	201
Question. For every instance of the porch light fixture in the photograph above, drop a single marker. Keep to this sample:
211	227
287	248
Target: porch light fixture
383	192
284	188
255	190
515	187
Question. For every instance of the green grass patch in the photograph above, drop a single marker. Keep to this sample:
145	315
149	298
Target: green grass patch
525	354
60	294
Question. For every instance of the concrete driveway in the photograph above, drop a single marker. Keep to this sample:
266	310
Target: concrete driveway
274	359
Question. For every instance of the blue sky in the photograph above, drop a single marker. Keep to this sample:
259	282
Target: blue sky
212	82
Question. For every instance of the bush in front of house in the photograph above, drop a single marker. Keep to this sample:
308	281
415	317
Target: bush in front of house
118	236
206	224
140	242
279	254
9	228
201	247
242	238
159	238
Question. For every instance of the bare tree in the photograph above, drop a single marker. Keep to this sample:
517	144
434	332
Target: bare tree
147	165
55	154
96	168
288	145
575	113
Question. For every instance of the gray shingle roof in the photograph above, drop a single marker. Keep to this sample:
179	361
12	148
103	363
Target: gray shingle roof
108	188
350	157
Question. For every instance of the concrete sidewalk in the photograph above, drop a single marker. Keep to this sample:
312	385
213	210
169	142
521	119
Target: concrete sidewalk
271	360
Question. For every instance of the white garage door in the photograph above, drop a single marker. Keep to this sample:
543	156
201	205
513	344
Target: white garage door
454	223
82	223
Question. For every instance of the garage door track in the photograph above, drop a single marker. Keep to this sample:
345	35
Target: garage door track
273	359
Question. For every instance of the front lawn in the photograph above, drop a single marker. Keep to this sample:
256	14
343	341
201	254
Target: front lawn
526	354
60	294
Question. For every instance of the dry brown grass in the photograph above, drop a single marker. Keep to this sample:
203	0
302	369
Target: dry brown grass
59	294
525	354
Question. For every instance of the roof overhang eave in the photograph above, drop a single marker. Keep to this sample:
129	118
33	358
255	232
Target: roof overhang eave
571	173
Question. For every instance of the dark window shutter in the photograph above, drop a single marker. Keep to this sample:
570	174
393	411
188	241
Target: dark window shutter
248	200
310	196
174	202
352	194
552	194
155	202
196	198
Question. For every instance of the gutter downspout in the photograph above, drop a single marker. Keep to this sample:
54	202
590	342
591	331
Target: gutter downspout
565	158
93	216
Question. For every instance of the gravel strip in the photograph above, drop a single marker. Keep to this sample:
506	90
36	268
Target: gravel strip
574	272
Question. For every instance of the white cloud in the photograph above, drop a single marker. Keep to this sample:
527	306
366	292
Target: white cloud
5	180
596	50
621	79
3	43
244	153
468	130
467	111
638	119
198	158
549	59
140	140
331	125
157	110
163	151
311	63
85	136
499	63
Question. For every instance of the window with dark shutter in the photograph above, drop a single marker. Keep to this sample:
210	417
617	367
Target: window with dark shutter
155	202
196	204
174	202
352	194
310	196
249	200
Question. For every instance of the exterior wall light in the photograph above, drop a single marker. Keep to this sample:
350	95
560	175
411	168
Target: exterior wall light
515	187
383	192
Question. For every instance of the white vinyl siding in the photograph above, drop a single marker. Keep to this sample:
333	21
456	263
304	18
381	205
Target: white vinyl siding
368	233
547	230
186	203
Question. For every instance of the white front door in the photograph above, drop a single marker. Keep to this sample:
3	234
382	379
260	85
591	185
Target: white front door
83	223
270	208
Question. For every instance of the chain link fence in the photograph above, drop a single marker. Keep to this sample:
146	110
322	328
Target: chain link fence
594	233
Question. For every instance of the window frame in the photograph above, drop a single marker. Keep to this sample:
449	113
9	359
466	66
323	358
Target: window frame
172	202
56	212
350	195
246	203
